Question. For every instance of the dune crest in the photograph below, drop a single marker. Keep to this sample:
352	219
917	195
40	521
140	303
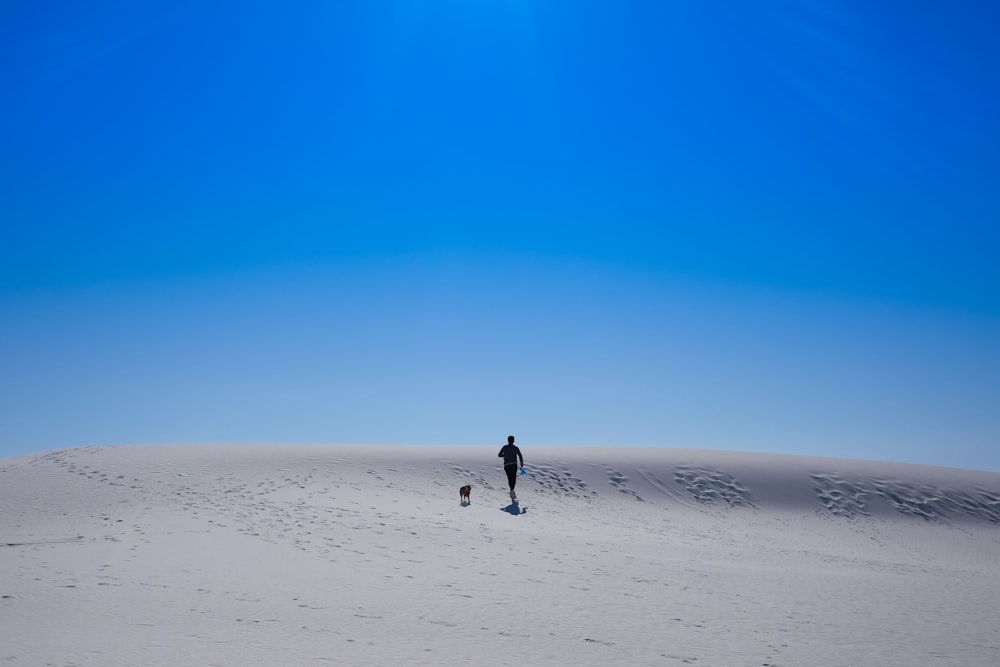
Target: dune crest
165	555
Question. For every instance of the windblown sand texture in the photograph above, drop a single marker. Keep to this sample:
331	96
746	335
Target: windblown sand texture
293	555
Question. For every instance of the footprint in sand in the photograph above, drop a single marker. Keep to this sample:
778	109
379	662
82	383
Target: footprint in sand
620	482
558	480
708	485
850	498
840	497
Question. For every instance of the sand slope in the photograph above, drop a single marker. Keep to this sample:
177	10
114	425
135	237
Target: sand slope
290	555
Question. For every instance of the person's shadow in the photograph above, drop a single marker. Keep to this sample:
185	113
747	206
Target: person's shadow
514	509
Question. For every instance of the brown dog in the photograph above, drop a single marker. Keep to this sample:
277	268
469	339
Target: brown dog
464	494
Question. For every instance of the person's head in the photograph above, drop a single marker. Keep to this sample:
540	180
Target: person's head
510	440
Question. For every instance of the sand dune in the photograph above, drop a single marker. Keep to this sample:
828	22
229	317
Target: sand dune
291	555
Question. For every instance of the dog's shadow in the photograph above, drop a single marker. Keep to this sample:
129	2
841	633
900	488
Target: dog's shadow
466	503
514	509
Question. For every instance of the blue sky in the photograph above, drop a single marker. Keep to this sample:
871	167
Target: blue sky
736	225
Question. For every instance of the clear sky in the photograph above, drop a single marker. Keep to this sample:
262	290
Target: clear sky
767	226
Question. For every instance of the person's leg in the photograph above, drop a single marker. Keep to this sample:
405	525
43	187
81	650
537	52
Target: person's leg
511	476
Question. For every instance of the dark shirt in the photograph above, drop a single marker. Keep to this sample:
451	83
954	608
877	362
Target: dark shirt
511	454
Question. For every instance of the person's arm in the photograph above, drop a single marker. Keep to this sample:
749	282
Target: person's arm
520	457
501	451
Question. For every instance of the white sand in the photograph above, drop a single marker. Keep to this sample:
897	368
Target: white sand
289	555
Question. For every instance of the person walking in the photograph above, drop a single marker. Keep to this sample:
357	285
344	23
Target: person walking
511	456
